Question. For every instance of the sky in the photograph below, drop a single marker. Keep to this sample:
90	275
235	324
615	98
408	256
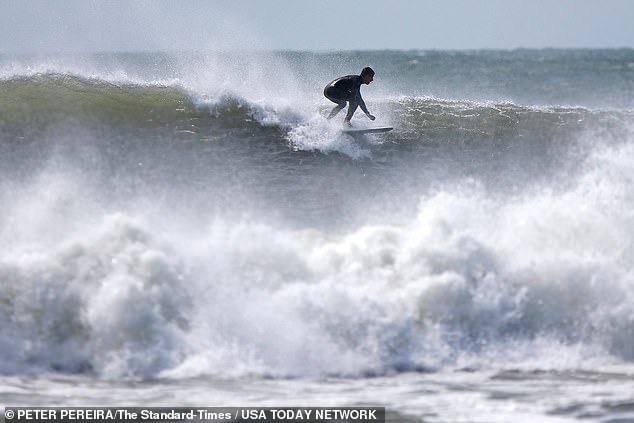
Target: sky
70	26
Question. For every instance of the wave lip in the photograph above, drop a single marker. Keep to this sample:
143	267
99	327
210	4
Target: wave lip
61	97
42	100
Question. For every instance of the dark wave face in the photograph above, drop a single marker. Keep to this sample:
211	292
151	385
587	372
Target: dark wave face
196	214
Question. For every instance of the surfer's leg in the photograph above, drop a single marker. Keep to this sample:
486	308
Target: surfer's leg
336	96
352	107
336	109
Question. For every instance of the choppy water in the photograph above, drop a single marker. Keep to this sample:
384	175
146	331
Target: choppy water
188	228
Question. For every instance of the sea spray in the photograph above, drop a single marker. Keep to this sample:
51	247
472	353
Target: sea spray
172	218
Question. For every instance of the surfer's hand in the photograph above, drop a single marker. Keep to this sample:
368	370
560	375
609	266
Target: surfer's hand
371	117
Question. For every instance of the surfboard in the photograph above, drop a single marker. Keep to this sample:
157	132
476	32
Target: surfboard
377	130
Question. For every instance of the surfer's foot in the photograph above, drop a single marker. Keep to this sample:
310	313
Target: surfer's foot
347	124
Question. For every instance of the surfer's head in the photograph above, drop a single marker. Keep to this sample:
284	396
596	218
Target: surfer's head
367	75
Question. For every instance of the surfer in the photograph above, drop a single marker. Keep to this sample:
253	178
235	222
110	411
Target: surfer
348	89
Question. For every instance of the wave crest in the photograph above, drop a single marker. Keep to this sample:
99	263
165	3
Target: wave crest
44	99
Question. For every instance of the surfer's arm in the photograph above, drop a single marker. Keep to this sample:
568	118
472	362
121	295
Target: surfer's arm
364	108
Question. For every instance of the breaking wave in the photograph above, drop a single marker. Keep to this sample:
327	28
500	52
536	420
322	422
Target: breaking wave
155	227
470	280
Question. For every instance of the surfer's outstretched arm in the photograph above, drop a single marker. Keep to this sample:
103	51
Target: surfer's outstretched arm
364	108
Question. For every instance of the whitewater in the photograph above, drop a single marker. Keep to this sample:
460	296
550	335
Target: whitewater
188	229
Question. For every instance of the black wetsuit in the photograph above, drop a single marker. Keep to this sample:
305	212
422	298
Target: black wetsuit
345	89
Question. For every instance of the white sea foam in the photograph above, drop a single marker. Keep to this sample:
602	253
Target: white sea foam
107	268
540	277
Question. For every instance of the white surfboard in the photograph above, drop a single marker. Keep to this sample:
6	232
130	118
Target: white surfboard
376	130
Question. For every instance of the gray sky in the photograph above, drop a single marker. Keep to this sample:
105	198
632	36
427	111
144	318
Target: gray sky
115	25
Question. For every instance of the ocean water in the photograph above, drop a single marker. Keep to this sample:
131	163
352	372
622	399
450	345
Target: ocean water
188	229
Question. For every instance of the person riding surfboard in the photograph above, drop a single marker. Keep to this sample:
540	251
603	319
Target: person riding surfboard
347	89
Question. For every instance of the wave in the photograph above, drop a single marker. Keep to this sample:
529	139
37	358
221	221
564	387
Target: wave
537	279
485	118
66	96
427	296
36	106
477	234
432	122
42	99
92	282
